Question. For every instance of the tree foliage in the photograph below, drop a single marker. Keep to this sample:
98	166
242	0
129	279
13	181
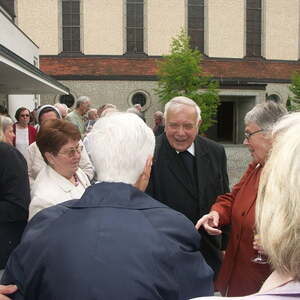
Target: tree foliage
181	74
293	102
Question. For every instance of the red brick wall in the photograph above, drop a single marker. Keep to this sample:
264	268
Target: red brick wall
102	66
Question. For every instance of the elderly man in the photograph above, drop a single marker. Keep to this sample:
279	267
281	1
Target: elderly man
159	126
115	242
82	106
92	118
189	171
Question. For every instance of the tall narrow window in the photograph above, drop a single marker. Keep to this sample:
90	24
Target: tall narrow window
196	24
135	26
71	25
253	28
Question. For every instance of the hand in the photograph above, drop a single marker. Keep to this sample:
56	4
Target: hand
6	290
143	180
210	223
256	244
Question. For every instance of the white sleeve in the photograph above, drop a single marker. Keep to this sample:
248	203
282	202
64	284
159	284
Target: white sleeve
85	163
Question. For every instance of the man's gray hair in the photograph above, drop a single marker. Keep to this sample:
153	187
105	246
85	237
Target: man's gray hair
91	111
158	115
120	144
266	114
177	102
81	99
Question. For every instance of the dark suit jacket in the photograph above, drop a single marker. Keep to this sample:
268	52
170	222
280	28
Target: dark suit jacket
116	242
171	184
14	199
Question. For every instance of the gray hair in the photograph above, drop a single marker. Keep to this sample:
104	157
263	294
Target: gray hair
91	111
81	99
266	114
177	102
158	115
120	144
4	123
278	201
62	107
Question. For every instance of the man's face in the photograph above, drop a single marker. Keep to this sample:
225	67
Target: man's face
259	143
181	127
50	115
85	107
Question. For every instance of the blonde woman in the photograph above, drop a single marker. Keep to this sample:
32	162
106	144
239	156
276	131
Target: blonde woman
6	130
278	213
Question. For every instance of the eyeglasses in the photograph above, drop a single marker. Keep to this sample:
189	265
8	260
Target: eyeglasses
72	151
175	126
248	135
24	116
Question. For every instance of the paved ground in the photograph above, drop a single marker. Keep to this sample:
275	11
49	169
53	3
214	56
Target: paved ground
238	158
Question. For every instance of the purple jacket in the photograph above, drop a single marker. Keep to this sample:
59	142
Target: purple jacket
289	291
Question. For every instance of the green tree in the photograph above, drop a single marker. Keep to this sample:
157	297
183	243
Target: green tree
181	74
293	102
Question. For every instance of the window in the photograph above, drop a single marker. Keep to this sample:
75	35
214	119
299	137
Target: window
135	26
196	24
139	98
69	100
71	25
253	28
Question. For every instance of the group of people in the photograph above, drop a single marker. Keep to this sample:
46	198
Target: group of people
133	234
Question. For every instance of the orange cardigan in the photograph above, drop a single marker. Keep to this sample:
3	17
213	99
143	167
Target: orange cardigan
239	276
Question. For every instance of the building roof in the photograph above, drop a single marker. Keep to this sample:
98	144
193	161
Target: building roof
124	68
20	77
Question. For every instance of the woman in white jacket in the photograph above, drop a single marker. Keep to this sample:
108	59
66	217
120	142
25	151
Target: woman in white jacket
35	160
61	179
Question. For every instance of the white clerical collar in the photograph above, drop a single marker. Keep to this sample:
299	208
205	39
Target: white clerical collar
191	149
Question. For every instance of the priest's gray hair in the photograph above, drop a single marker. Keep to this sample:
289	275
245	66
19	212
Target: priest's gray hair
176	103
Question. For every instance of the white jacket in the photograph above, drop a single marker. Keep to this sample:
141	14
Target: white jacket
36	163
50	188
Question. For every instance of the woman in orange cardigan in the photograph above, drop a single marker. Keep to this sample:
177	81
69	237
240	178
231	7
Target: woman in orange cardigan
240	276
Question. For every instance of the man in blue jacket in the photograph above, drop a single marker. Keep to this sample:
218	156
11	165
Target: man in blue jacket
115	242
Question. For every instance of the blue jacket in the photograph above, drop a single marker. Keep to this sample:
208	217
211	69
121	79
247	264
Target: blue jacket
114	243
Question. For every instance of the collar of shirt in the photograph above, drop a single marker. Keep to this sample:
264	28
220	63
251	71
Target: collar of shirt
191	149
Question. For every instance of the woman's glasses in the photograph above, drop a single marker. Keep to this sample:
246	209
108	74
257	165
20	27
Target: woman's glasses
72	151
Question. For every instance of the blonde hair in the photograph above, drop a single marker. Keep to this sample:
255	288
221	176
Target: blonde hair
4	123
278	201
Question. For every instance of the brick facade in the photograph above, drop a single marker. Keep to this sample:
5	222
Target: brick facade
259	70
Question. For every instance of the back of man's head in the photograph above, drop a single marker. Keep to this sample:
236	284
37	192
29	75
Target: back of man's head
120	144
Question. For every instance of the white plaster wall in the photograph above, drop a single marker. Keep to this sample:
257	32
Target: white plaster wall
165	19
40	20
282	29
115	92
225	32
15	40
103	27
279	89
